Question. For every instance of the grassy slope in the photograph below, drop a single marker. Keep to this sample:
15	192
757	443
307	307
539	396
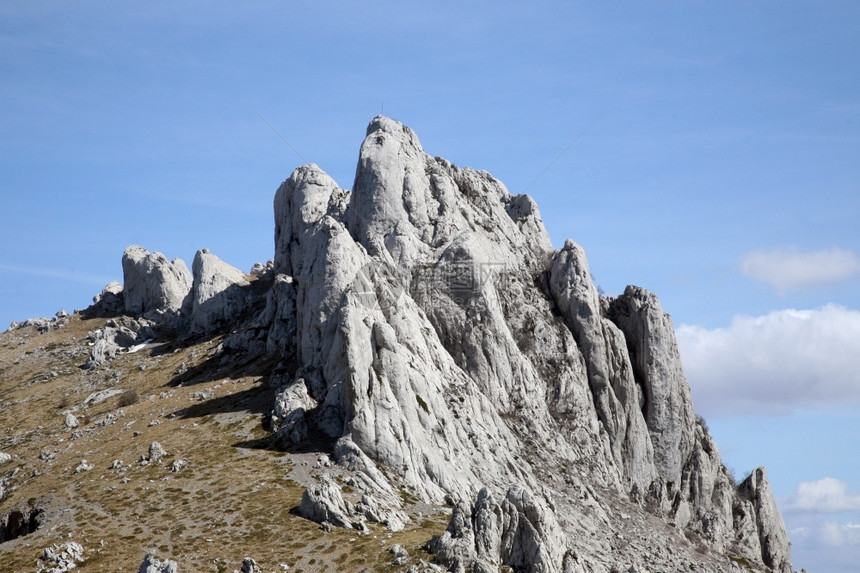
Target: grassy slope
234	498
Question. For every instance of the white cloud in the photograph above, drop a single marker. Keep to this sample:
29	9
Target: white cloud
818	542
790	269
774	363
827	495
826	547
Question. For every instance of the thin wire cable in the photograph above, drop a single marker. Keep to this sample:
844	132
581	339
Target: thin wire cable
565	150
281	136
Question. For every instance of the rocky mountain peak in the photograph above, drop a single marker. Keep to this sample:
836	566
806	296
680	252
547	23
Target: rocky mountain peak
428	339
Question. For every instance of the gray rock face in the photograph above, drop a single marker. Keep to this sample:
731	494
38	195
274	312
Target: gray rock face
153	285
324	503
617	395
521	533
423	323
110	302
151	564
775	549
668	406
419	308
217	292
43	325
288	417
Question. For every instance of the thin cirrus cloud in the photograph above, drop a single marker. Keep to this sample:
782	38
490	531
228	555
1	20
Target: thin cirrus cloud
776	363
790	269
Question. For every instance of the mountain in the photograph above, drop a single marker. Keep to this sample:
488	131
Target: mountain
420	360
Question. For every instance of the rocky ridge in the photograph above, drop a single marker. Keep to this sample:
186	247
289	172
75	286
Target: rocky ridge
424	333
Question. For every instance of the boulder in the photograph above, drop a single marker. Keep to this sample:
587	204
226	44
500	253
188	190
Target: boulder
250	566
288	415
156	452
401	556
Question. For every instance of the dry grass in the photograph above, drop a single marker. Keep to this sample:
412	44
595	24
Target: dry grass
231	501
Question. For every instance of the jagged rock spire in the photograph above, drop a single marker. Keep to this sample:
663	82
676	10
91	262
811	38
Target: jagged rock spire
426	325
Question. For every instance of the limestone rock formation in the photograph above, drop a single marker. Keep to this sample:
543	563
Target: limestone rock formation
422	322
217	292
61	558
151	564
288	416
109	302
771	530
521	533
117	335
324	503
43	325
153	285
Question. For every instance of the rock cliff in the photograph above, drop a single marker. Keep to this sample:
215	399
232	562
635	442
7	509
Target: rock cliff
431	339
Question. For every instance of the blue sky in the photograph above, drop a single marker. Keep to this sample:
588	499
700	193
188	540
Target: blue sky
722	172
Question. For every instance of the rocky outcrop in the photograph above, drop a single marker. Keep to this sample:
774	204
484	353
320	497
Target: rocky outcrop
151	564
521	532
421	313
20	522
618	397
667	404
61	558
775	547
324	504
426	334
110	302
117	335
217	292
43	325
153	285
